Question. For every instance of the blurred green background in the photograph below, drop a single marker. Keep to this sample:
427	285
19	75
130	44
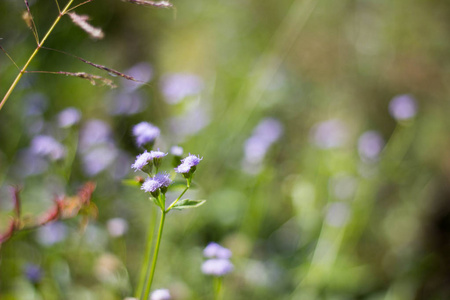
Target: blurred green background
307	217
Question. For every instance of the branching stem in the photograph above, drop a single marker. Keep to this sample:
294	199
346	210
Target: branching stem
39	46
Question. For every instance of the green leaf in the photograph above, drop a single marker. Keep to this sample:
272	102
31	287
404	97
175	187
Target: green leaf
186	203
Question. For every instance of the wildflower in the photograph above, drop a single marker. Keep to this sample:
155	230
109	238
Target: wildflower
370	145
45	145
403	107
159	181
126	103
142	161
51	233
217	267
145	133
99	159
330	134
157	156
68	117
188	164
93	133
161	294
176	151
142	72
175	87
194	118
267	132
117	227
216	250
33	273
269	129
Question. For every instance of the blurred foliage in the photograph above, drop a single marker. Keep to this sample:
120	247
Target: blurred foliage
310	223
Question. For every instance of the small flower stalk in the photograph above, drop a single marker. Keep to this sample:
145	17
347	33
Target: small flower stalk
157	184
217	265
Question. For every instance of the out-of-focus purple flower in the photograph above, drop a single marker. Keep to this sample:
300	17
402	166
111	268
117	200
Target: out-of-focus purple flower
175	87
51	233
215	250
255	149
141	161
47	146
142	72
403	107
330	134
152	184
69	117
217	267
93	133
161	294
33	273
338	214
176	151
126	103
99	158
267	132
117	227
191	122
145	133
370	145
187	163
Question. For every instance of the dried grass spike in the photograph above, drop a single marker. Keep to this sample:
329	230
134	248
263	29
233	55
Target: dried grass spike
162	4
28	18
90	77
111	72
81	21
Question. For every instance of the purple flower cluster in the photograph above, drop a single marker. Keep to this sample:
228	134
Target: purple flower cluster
403	107
176	151
370	145
216	250
218	263
152	184
47	146
143	159
187	164
267	132
175	87
69	117
329	134
145	133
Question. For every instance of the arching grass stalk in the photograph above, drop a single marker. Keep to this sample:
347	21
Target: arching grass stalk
30	59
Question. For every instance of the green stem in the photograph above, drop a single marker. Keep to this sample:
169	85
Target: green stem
155	255
179	197
39	46
148	253
217	288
